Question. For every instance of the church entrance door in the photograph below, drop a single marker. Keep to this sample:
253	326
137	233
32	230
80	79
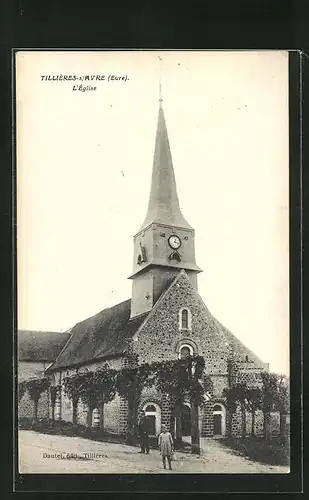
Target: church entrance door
217	425
153	415
218	420
186	420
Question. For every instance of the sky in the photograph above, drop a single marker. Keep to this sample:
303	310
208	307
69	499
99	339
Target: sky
84	162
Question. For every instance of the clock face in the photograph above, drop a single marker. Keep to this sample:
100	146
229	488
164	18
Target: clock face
174	241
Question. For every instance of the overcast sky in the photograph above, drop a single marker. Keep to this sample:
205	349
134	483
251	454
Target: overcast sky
84	169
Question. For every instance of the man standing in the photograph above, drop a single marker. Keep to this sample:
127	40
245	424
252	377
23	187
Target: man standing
143	433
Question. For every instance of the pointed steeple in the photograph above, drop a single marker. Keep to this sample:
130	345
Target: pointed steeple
163	206
165	244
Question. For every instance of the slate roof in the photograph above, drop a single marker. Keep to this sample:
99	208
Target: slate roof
239	347
102	335
39	345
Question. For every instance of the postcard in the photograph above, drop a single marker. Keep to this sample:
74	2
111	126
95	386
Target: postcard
153	262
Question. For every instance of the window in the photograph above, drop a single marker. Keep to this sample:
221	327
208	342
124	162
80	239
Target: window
185	351
153	414
184	319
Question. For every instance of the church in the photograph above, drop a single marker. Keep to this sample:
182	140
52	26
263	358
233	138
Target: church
165	319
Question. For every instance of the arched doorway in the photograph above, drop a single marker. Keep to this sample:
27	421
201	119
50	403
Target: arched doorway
186	419
153	414
218	420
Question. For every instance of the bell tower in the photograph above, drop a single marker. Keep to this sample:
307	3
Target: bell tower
165	242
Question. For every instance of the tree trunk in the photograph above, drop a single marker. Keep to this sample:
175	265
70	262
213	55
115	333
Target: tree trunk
178	426
284	434
74	412
195	434
130	427
35	409
253	423
102	415
243	421
229	423
89	418
266	426
53	413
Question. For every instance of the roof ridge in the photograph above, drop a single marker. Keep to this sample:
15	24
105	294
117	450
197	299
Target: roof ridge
108	308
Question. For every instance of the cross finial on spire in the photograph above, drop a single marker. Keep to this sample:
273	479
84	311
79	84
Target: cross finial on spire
160	92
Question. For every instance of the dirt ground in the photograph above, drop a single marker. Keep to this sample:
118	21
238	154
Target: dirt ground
43	453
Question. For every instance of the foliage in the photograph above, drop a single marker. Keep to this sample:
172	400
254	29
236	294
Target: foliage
54	391
98	387
256	448
174	377
282	399
93	388
234	395
72	387
36	387
253	399
22	387
130	381
182	377
275	392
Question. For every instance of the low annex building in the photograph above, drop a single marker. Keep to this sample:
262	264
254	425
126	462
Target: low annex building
37	350
165	319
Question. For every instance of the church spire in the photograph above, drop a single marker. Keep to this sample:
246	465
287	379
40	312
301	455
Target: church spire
163	206
165	244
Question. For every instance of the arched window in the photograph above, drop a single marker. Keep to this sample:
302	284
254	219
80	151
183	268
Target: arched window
185	350
153	414
184	319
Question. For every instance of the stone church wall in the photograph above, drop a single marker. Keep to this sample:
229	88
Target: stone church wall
161	337
112	415
220	382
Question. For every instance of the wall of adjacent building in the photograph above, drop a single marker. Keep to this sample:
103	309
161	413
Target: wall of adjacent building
30	370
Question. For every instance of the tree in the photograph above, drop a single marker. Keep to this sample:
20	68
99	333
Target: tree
22	387
177	379
180	379
72	388
129	384
235	395
93	389
104	389
35	388
54	392
269	399
282	403
253	402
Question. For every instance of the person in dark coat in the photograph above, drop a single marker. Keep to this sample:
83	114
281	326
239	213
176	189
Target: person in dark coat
144	433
